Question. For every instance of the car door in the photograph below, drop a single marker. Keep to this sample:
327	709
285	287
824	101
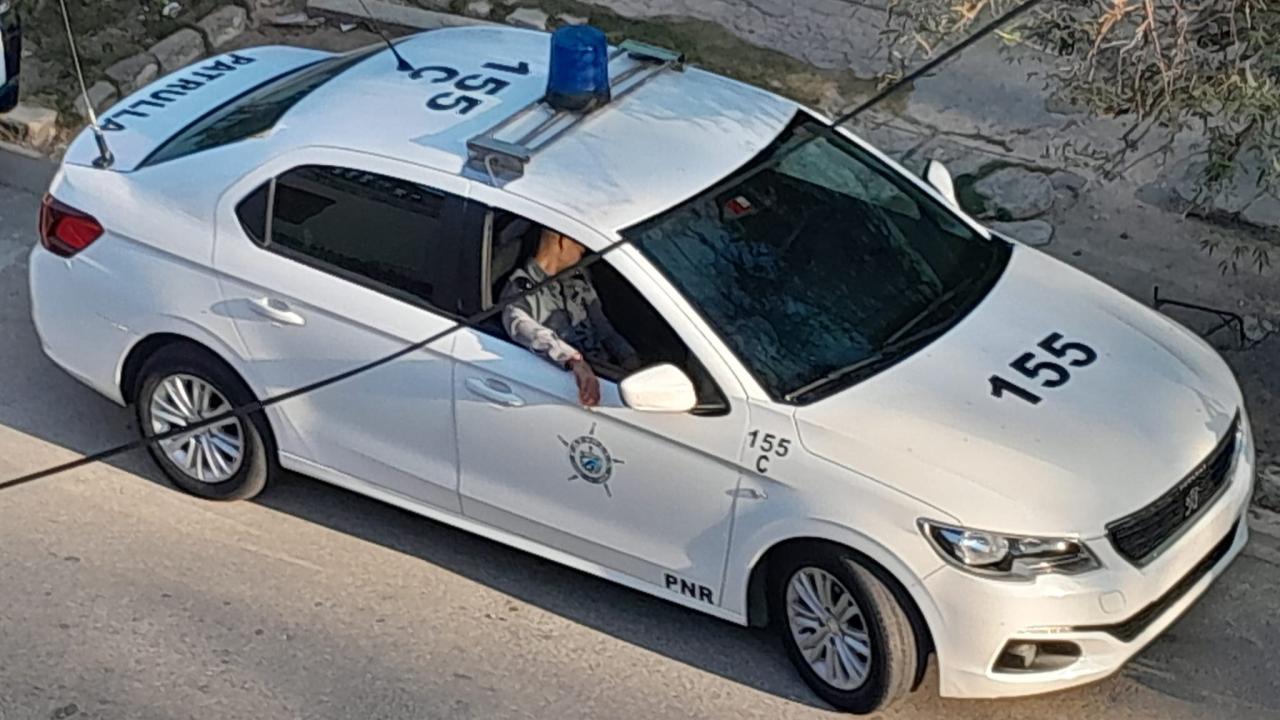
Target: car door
648	496
329	261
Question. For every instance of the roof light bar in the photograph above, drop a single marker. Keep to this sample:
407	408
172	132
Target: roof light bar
578	78
582	78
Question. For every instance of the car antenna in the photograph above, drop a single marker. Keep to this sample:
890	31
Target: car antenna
928	67
401	64
105	158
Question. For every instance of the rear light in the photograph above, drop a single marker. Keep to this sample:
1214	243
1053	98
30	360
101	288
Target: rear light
65	230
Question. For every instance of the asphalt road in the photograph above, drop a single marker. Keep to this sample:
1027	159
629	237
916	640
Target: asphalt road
123	598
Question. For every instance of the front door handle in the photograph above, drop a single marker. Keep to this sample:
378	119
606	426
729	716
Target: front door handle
276	311
495	390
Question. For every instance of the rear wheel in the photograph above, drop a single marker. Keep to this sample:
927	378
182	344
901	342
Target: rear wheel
181	385
842	627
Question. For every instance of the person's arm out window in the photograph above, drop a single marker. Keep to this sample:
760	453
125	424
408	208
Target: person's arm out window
521	326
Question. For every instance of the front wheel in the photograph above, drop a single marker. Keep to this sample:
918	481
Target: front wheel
844	630
181	385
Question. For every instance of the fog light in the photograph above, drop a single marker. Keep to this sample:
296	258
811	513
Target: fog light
1023	656
1019	655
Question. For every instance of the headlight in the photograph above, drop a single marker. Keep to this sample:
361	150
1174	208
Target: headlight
1008	556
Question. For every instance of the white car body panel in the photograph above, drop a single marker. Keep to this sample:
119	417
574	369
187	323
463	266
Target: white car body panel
670	507
490	532
696	500
123	274
930	423
375	424
667	507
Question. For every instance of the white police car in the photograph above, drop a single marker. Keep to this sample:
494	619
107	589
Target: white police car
864	419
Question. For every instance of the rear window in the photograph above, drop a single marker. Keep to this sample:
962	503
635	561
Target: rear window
256	111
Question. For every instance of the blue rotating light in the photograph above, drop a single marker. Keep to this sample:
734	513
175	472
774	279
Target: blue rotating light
578	78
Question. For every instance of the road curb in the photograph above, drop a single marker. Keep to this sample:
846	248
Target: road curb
25	169
390	14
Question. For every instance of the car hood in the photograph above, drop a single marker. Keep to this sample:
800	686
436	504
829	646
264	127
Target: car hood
1116	435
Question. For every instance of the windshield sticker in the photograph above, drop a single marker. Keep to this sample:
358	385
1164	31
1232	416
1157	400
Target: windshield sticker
770	446
591	460
194	79
738	206
1051	374
469	91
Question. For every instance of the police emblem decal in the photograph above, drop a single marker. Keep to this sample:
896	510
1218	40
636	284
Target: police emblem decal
591	460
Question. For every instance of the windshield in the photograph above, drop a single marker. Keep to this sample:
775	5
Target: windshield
257	110
820	266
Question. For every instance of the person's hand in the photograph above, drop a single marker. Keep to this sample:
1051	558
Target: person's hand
588	383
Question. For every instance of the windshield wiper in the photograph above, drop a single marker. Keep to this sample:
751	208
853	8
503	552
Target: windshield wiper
888	351
871	360
930	309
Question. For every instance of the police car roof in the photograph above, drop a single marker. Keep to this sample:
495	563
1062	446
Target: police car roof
672	137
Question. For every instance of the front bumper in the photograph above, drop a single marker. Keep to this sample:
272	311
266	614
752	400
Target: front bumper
1110	613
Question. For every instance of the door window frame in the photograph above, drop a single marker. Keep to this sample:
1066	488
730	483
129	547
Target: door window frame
477	253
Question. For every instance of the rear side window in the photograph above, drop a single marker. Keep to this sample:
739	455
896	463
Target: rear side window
389	234
256	111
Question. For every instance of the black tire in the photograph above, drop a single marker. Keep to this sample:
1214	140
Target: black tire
258	463
892	667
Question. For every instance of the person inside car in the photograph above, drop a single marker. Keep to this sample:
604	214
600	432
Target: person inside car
563	321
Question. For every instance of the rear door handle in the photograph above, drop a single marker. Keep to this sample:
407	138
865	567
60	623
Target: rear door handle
495	390
276	311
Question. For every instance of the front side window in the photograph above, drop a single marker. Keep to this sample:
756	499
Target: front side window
818	265
393	235
510	244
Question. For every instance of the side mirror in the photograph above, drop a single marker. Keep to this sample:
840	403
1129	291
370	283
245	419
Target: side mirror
662	388
10	54
940	178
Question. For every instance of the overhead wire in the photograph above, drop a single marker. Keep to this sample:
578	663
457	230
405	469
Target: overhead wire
242	412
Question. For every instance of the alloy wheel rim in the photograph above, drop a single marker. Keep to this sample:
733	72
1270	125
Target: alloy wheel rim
829	628
210	455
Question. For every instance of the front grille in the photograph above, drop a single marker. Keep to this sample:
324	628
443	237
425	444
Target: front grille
1133	627
1139	536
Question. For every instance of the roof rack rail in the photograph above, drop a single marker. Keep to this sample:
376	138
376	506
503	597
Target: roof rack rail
501	159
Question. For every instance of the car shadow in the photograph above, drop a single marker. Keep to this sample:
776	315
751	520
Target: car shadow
751	657
75	418
38	399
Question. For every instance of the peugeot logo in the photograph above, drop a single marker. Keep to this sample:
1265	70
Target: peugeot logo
1191	502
